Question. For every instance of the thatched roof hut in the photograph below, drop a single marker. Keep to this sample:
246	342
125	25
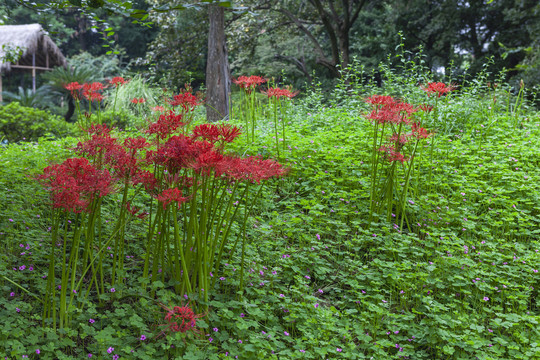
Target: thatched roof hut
39	52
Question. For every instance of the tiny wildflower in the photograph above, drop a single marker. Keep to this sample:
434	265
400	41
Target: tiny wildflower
143	337
110	350
113	290
486	298
286	333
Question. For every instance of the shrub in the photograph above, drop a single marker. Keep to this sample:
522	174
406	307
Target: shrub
24	123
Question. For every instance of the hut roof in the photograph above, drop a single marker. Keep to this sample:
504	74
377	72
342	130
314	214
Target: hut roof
32	39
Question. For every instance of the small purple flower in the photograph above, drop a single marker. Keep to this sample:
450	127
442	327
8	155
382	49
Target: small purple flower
486	298
320	291
210	339
38	351
316	306
339	350
216	329
18	310
239	341
242	315
11	294
110	350
115	357
143	337
91	321
286	333
281	295
89	355
318	237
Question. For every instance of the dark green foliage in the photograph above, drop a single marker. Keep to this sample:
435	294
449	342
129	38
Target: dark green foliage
19	123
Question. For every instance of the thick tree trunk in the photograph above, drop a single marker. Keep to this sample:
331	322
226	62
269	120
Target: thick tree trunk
218	81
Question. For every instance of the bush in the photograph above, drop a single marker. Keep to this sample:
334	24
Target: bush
24	123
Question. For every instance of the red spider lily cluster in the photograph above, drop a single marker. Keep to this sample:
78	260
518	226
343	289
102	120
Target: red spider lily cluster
138	100
181	319
277	93
396	114
92	91
438	88
75	183
248	83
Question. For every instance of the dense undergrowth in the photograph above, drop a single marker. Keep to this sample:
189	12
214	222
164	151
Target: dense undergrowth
453	275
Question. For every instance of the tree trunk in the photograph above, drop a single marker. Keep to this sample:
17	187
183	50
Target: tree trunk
218	81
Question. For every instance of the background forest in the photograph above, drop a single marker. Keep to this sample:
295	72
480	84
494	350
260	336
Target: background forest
297	39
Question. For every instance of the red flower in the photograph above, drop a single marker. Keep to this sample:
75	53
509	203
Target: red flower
117	81
419	132
146	178
75	183
186	100
166	124
385	115
224	133
249	83
380	100
142	100
426	108
136	143
158	108
277	93
101	130
91	91
74	88
170	195
253	169
181	319
439	88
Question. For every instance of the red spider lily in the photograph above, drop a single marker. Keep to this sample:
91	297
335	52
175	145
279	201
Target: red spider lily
117	81
419	132
385	115
177	153
426	108
170	195
186	100
249	83
229	132
98	144
100	130
252	168
396	156
400	140
404	108
380	100
74	88
207	161
90	91
391	154
146	178
93	96
75	183
277	93
439	88
181	319
166	124
208	132
138	101
158	109
136	143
